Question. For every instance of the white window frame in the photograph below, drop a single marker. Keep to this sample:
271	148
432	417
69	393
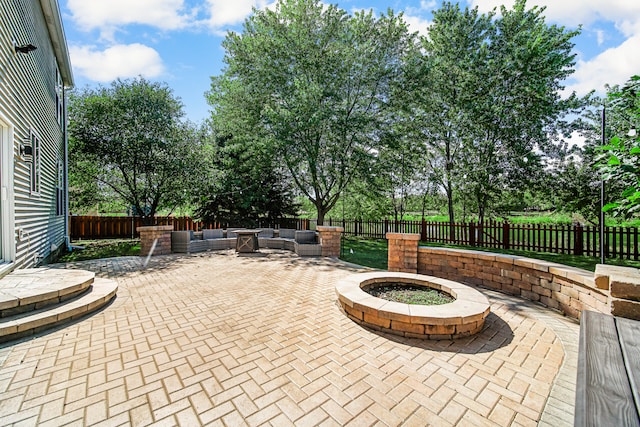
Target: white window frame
60	188
59	97
35	169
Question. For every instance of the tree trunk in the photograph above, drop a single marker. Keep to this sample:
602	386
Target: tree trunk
451	212
481	213
424	204
321	213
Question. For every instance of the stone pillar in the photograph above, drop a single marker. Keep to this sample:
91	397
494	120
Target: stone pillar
149	234
330	240
623	284
403	252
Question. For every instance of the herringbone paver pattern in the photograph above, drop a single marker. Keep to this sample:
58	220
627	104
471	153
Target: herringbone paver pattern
216	339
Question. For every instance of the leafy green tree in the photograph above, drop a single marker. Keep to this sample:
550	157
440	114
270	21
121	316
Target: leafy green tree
320	82
517	105
487	105
447	80
577	188
621	159
249	186
129	141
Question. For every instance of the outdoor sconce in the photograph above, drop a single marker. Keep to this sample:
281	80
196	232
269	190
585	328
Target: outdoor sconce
25	48
26	151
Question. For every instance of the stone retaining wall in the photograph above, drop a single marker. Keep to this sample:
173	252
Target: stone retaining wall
557	286
564	288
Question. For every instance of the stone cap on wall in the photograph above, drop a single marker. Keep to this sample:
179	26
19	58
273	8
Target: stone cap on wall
623	282
608	275
155	228
328	228
402	236
578	275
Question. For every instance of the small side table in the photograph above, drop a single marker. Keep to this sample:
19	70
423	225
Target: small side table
247	240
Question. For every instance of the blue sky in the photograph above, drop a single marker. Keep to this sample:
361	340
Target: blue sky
179	41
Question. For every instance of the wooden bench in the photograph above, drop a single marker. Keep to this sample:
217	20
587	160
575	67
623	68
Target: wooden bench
608	371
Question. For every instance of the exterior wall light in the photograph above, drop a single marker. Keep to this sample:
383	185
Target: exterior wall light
25	48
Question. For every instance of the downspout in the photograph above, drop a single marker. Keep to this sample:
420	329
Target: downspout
67	218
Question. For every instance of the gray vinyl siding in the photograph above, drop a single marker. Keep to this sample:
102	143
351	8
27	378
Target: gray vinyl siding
28	100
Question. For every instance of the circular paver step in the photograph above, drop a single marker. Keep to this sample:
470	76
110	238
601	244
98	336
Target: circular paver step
35	288
99	294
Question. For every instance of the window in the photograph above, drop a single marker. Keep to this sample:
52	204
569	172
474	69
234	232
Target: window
60	189
35	163
59	98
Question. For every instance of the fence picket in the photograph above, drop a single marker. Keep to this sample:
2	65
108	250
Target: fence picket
622	242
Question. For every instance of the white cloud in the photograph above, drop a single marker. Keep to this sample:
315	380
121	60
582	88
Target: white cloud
576	139
418	24
428	4
412	16
225	12
576	12
119	61
613	66
107	16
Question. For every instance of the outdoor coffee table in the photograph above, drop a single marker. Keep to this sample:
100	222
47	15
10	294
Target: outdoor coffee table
247	240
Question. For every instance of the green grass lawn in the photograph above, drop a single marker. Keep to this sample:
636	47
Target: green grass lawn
96	249
370	253
373	253
366	252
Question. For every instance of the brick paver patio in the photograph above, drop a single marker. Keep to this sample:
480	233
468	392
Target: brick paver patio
217	339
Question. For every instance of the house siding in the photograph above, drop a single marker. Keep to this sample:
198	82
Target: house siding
28	101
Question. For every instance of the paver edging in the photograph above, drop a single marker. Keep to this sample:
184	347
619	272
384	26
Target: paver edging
463	317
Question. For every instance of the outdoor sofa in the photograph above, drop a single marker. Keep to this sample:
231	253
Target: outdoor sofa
302	242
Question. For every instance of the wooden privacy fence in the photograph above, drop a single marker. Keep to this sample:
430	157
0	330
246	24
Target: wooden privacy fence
619	242
110	227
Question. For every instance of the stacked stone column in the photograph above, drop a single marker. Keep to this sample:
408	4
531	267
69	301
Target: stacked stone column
623	284
330	240
403	252
149	234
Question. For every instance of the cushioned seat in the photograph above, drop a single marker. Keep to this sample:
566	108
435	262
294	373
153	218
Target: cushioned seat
302	242
289	244
287	233
306	236
213	234
266	232
231	234
271	242
312	249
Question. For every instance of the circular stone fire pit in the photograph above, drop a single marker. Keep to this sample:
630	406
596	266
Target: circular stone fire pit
463	317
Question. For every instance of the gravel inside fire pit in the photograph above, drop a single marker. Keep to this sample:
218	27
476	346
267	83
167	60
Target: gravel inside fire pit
409	294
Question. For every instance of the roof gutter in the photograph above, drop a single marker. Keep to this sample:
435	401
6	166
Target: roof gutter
52	16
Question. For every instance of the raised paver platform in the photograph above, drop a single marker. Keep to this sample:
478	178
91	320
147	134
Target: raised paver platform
34	288
35	299
463	317
215	339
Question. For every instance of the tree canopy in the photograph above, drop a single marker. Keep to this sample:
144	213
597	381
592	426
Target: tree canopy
314	84
488	105
620	162
129	141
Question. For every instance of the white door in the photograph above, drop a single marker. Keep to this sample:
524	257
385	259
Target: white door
3	190
7	220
